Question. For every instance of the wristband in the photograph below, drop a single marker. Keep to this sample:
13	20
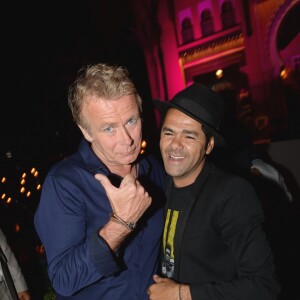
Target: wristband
129	225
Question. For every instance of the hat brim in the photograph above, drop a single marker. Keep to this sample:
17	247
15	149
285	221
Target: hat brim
163	106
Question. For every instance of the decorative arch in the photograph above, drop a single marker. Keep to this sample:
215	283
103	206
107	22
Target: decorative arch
187	30
275	58
228	14
207	22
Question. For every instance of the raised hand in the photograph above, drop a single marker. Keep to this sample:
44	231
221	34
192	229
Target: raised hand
130	200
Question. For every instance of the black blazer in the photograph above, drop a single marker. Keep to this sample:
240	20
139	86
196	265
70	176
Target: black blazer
220	247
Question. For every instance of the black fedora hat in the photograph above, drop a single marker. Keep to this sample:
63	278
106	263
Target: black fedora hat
200	103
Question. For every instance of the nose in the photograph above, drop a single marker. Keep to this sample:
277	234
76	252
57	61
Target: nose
176	142
126	137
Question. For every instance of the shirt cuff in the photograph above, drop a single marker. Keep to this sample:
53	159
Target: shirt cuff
102	257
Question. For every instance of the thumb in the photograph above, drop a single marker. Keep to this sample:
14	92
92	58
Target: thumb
104	181
157	278
128	179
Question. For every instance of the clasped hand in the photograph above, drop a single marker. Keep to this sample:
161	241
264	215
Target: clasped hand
130	200
163	289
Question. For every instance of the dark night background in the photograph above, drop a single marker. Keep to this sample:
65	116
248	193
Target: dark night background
43	46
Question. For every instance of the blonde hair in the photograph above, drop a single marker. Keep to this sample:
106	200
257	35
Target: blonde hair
108	82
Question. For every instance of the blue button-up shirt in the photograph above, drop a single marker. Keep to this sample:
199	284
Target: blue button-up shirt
72	209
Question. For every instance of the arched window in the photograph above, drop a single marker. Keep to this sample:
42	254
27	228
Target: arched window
207	23
187	30
228	14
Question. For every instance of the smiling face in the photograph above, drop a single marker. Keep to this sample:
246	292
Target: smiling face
183	147
114	130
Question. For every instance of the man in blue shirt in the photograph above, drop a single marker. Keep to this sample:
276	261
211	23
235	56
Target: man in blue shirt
100	214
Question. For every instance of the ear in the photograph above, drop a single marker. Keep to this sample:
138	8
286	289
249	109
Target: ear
86	134
210	145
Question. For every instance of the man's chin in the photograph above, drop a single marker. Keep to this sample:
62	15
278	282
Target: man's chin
172	171
130	158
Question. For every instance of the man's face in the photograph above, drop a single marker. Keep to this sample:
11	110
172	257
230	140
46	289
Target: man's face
182	145
115	130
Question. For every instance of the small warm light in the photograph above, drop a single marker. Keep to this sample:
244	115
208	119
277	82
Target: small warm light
32	170
144	144
3	179
219	73
36	174
28	194
23	181
38	187
284	73
23	175
22	190
40	249
8	200
3	196
17	227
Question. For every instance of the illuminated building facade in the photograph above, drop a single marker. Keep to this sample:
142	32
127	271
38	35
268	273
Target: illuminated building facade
251	42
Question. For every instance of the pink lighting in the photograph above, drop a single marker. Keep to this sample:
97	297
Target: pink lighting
244	36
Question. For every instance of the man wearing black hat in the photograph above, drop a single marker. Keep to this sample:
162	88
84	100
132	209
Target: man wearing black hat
214	246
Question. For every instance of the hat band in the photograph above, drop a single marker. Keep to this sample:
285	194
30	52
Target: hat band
195	110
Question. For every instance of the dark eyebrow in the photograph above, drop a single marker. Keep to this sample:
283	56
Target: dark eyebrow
167	129
190	132
185	131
